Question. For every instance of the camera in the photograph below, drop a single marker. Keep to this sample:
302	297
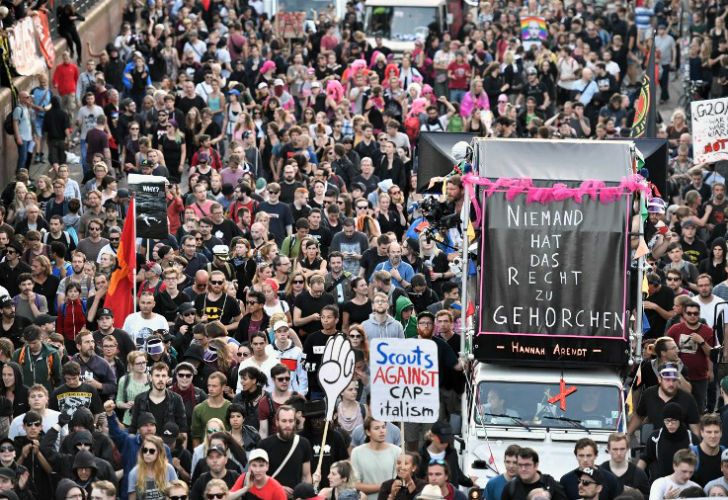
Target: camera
440	214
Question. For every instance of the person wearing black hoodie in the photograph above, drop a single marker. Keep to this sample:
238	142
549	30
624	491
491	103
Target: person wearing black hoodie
662	444
102	446
30	456
715	263
14	478
11	384
55	127
67	464
69	490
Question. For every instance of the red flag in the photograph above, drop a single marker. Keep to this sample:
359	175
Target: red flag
206	5
120	295
470	310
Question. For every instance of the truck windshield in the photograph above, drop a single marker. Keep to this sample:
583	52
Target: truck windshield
400	23
591	406
302	5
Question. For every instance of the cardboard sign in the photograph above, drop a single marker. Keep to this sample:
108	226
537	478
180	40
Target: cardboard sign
710	129
151	216
405	380
335	372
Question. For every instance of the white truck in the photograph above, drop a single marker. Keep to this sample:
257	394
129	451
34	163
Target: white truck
401	22
552	343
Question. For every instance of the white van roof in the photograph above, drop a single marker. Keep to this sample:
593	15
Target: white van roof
403	3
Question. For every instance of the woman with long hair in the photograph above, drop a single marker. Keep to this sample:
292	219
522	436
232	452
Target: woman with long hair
342	479
216	489
350	412
358	339
12	388
213	426
263	272
174	150
358	309
133	383
253	382
193	127
150	477
16	210
44	191
295	286
390	218
715	263
310	261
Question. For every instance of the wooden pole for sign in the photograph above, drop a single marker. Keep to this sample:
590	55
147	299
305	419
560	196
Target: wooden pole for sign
321	456
401	437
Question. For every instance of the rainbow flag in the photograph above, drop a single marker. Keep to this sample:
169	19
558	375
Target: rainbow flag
533	30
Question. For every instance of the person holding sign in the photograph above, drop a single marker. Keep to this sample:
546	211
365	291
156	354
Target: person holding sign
375	461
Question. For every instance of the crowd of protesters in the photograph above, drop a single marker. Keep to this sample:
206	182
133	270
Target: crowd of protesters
293	215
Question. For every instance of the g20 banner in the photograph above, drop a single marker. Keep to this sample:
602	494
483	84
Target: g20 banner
710	130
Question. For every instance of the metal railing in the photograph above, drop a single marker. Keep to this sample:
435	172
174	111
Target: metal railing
82	7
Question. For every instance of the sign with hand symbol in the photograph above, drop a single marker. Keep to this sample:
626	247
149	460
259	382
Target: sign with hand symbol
336	370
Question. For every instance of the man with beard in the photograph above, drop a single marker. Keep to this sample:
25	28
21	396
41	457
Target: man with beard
87	286
381	324
654	399
337	281
289	184
12	326
162	403
94	369
436	122
93	210
695	341
74	393
401	271
105	322
298	467
140	325
217	305
12	267
718	204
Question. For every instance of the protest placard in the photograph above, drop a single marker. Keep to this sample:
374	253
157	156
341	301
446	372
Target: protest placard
710	130
404	380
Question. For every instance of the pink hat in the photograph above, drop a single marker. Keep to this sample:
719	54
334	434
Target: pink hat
267	66
273	284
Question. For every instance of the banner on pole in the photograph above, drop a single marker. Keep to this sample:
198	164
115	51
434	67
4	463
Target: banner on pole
710	130
151	206
40	20
405	379
533	31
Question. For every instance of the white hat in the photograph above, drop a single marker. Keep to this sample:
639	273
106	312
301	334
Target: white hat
429	492
262	85
258	454
280	324
315	84
277	82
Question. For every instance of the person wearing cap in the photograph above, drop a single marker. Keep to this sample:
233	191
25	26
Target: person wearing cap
39	362
153	282
695	340
105	323
95	370
654	399
439	444
256	480
290	355
221	257
12	488
590	483
216	460
12	267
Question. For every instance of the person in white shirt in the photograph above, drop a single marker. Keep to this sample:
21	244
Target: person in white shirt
37	402
290	355
142	324
683	466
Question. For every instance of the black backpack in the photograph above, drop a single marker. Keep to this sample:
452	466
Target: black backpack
8	123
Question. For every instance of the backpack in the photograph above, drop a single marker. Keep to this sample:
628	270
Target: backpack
8	123
412	128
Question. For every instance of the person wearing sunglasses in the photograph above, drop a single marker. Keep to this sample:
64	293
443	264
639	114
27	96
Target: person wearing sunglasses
217	304
30	455
177	490
255	318
150	477
216	489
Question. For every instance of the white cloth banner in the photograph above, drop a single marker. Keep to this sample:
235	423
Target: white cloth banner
710	130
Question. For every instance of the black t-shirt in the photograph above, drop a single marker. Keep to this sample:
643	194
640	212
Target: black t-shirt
369	260
357	313
126	344
664	298
226	230
67	400
708	469
652	406
323	236
313	349
287	191
280	218
198	488
15	332
292	473
309	305
694	252
225	309
159	411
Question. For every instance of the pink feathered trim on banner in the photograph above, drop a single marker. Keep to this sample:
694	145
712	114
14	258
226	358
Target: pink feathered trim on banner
594	189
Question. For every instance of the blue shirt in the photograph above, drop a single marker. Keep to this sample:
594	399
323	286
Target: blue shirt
404	270
494	488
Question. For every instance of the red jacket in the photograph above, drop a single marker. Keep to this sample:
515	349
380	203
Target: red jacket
71	319
65	78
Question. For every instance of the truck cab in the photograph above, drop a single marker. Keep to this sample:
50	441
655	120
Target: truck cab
400	22
509	405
